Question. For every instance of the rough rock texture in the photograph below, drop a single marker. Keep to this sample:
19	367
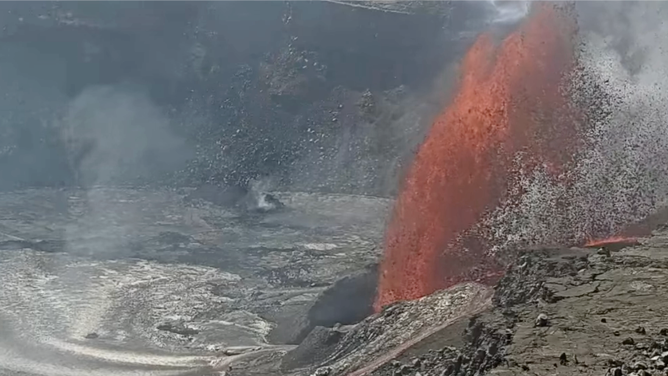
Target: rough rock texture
349	300
604	314
374	341
558	311
402	324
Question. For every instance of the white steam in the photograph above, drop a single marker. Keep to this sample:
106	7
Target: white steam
115	133
509	12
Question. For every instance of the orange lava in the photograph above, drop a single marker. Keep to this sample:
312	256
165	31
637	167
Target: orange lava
612	240
509	100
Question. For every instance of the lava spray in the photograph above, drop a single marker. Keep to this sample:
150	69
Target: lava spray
509	102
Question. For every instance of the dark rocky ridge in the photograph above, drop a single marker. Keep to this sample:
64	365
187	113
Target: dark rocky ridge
347	301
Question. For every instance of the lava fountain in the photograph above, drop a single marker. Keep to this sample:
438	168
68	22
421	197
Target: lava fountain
509	102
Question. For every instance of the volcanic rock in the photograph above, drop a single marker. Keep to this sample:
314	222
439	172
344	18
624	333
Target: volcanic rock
501	337
171	280
348	301
542	320
400	327
178	328
315	348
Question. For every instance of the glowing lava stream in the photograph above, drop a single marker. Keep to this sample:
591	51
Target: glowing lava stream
509	100
612	240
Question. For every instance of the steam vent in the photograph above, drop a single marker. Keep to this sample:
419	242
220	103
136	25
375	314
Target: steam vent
333	188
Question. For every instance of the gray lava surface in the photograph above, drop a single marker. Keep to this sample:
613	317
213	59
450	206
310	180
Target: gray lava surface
131	281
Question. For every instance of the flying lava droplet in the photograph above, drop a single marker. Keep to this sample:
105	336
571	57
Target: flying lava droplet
509	100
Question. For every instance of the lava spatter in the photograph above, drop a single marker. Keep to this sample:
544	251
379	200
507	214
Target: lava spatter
509	100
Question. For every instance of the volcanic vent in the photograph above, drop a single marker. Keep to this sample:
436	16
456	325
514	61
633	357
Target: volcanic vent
549	139
510	105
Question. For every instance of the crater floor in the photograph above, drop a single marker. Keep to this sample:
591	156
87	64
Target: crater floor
133	281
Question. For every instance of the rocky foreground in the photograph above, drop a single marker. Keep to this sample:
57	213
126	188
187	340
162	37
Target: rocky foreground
558	311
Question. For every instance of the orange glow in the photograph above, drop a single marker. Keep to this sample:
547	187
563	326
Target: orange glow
612	240
508	100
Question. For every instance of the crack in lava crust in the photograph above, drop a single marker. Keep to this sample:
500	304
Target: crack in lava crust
509	101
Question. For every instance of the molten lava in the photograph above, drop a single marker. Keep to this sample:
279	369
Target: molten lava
509	100
612	240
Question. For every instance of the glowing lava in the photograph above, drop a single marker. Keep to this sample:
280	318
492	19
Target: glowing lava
509	100
612	240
